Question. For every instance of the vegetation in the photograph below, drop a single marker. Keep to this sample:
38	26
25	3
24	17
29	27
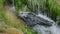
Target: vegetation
52	8
2	11
7	21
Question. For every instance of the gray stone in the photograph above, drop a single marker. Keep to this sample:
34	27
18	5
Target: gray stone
31	19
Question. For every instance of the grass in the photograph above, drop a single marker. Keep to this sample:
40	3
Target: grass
8	22
23	28
53	7
2	11
5	20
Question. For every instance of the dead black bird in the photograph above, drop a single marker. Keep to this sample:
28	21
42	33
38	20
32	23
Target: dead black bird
32	19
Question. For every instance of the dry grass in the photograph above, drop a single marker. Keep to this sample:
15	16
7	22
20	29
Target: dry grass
14	31
58	1
12	17
10	30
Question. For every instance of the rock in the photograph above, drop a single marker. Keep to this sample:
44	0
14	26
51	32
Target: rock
32	19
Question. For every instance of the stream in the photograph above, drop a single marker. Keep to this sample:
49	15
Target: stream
40	22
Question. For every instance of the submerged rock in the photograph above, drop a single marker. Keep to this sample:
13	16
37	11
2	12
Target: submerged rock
32	19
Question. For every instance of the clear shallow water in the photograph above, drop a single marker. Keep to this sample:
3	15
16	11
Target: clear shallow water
41	29
54	29
47	30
